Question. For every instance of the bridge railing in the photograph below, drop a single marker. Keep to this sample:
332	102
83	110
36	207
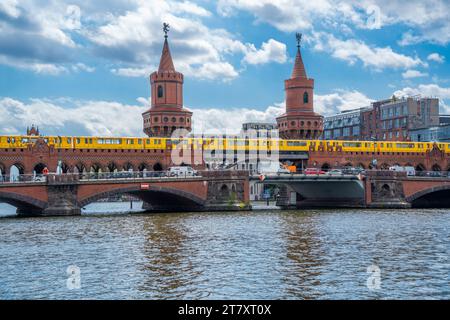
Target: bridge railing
124	175
22	178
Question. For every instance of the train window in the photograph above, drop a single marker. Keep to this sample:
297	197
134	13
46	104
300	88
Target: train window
148	141
352	144
86	140
78	140
139	141
296	143
405	145
69	140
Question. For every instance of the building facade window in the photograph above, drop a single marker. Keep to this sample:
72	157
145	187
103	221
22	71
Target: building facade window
305	97
160	92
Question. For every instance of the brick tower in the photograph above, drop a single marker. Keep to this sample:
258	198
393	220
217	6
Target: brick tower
299	121
166	113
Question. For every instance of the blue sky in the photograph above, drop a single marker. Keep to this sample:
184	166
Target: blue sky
81	67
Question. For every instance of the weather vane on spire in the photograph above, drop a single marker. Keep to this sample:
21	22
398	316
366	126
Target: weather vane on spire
166	28
299	39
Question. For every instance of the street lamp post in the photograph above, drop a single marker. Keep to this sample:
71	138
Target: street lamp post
374	160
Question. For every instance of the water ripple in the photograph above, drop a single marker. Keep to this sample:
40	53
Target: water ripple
259	255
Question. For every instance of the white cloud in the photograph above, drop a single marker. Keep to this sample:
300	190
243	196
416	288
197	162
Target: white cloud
428	20
428	90
134	39
409	74
64	116
82	67
133	72
339	101
436	57
72	117
10	7
271	50
353	50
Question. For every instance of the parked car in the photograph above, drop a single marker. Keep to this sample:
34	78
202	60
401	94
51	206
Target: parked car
351	170
335	172
313	171
181	172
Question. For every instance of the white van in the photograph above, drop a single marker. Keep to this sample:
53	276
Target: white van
410	171
182	172
267	167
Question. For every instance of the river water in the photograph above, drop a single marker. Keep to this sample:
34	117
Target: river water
313	254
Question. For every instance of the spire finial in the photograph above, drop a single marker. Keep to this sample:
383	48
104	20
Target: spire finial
166	28
299	39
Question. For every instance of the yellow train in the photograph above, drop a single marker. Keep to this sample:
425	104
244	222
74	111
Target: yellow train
217	144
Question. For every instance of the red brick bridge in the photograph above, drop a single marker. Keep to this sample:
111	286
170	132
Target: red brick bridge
68	194
395	189
376	189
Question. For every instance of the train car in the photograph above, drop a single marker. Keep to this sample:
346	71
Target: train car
219	144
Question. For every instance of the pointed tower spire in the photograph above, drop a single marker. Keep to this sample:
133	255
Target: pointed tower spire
299	67
166	63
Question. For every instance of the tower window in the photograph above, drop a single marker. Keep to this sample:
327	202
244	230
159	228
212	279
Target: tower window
160	91
305	97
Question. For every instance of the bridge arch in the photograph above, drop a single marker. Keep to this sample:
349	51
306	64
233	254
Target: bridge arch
435	197
65	167
128	166
421	167
158	167
80	167
112	167
325	166
39	167
436	167
159	198
23	203
96	168
144	167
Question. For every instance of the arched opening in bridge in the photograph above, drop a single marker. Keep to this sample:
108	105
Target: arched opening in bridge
384	166
157	167
14	203
143	167
326	166
436	167
65	167
128	167
134	199
96	168
39	168
15	171
386	188
224	192
79	168
438	198
420	167
2	172
112	167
